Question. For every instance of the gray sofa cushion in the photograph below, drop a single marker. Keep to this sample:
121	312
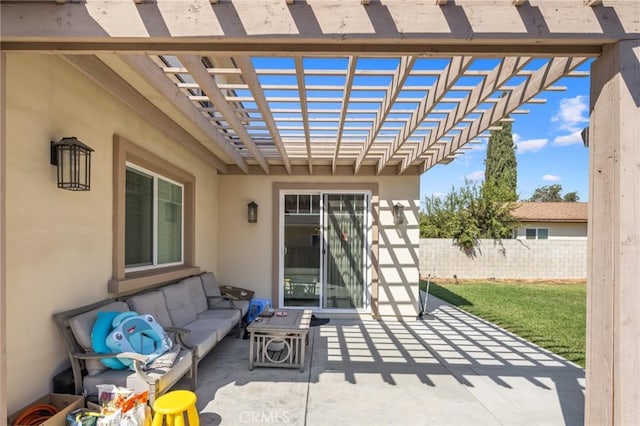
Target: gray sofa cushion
82	325
179	304
128	378
204	330
210	284
202	338
198	298
151	303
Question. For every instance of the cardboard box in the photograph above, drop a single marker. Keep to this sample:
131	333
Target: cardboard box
64	403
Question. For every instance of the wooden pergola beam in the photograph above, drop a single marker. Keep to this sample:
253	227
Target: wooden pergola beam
251	78
105	77
507	68
425	25
391	94
150	71
199	73
351	68
456	67
555	69
302	92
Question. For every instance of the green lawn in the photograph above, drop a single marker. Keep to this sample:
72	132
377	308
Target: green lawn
550	315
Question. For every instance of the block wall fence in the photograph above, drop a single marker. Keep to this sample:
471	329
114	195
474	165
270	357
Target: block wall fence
508	259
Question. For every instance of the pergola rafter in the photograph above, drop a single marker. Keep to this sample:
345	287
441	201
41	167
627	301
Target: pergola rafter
390	97
304	109
538	81
454	69
199	73
506	69
150	71
251	78
348	87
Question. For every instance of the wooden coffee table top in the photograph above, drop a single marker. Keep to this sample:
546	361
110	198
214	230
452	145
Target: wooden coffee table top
295	320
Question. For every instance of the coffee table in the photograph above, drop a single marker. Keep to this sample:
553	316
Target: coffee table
285	333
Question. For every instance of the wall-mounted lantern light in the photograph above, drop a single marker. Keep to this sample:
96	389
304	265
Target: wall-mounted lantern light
398	214
73	159
252	212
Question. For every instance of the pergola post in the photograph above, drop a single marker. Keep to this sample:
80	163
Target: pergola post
613	305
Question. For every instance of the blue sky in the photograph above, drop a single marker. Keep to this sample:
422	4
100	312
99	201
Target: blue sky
550	148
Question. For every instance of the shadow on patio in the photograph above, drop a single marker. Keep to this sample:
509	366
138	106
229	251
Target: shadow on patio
451	369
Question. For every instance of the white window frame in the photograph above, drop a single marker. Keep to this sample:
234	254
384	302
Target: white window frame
156	176
537	230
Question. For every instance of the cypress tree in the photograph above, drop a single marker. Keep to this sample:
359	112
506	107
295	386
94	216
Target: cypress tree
500	173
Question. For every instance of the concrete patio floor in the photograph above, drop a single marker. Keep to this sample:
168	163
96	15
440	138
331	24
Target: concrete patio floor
448	369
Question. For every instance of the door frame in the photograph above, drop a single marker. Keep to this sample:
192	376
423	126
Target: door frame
372	264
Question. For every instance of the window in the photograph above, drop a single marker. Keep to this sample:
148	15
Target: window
153	220
537	233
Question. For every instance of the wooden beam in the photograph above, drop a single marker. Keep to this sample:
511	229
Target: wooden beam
441	2
425	26
351	68
251	78
105	77
456	67
208	84
507	68
365	2
391	94
613	317
518	3
150	71
304	108
555	69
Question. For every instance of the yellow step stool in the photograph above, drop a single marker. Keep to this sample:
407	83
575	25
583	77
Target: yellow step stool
171	407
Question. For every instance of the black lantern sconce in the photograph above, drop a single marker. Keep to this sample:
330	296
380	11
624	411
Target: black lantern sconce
398	214
252	212
73	159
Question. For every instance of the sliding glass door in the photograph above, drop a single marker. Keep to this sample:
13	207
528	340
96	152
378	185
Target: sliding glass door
302	250
325	250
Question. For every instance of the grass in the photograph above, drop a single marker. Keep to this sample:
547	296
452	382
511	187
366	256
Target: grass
550	315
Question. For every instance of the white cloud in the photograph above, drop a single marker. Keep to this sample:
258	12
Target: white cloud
477	175
572	114
570	139
551	178
530	145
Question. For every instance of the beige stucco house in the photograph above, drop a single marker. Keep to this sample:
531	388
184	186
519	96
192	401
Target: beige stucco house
196	109
551	221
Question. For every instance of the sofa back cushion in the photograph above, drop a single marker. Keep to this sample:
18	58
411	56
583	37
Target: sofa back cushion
151	303
179	304
81	326
210	284
198	298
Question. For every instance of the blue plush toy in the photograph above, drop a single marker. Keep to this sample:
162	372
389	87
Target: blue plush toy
130	332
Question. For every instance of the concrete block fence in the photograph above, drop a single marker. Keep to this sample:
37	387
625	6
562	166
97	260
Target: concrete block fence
509	259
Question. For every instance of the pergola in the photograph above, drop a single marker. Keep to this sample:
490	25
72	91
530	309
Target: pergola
366	87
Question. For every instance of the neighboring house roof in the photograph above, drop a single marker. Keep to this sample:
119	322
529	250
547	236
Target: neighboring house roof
551	212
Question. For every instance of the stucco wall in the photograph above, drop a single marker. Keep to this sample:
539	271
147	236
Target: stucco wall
245	249
520	259
59	243
557	231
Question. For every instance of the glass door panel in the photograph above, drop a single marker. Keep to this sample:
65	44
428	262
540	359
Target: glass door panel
302	246
345	219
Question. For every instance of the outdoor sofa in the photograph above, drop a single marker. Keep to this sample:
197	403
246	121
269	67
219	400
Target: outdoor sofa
192	311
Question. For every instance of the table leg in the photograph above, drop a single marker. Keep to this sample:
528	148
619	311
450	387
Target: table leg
252	344
302	344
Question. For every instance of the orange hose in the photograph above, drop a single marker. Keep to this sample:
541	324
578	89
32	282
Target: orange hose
35	414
